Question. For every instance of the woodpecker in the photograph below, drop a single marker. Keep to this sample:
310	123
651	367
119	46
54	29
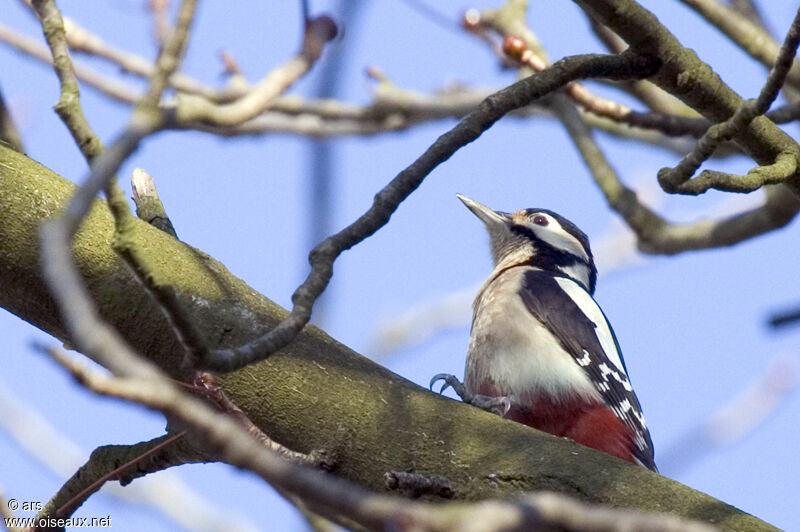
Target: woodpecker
541	351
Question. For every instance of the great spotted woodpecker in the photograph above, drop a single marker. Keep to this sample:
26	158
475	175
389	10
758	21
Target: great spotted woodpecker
541	351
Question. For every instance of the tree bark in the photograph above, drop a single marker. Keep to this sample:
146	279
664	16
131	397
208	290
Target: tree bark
316	394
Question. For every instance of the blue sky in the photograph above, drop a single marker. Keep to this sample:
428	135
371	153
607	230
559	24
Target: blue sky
692	327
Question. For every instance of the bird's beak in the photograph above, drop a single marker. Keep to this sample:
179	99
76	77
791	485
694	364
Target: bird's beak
491	218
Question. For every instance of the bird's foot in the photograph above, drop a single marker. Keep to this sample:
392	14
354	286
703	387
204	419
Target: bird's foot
451	381
497	405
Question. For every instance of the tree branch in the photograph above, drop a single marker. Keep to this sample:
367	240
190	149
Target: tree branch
103	465
678	179
667	124
657	235
392	110
685	76
314	391
68	106
197	109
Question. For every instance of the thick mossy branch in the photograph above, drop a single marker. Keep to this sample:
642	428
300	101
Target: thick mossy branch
315	393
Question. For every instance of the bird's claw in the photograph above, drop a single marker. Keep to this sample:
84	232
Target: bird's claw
497	405
450	381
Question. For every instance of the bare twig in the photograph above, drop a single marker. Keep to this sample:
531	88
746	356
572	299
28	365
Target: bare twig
108	85
651	95
136	380
396	110
750	11
685	76
80	39
211	388
678	179
782	319
160	13
230	65
170	55
655	234
392	110
196	109
187	333
68	106
665	123
624	66
79	498
544	511
69	110
745	412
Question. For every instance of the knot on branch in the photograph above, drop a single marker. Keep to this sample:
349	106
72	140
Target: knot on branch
414	485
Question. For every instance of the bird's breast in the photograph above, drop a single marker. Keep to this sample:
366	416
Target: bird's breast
514	354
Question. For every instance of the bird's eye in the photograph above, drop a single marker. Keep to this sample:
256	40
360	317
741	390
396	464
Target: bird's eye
540	220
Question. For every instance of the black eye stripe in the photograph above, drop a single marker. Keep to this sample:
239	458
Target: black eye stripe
549	257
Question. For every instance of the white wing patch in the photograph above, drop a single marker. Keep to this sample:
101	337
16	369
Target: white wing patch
585	360
622	378
591	309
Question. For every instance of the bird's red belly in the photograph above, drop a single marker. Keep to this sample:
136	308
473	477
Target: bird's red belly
589	423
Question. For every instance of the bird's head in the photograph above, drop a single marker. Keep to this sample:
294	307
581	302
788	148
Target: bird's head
539	238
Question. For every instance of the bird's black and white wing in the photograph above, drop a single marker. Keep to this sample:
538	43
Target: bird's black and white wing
573	316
